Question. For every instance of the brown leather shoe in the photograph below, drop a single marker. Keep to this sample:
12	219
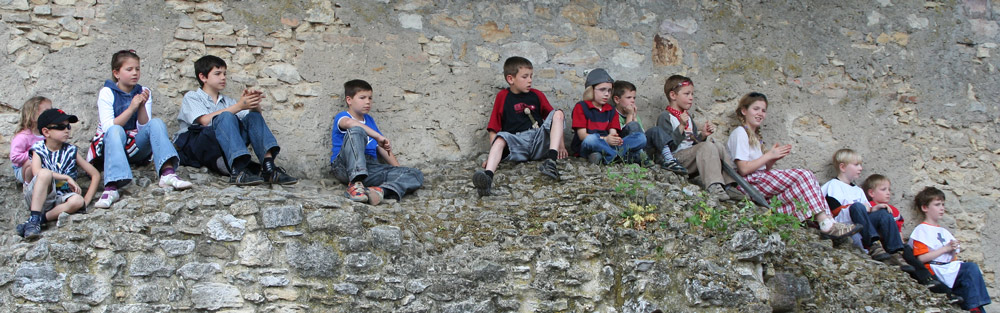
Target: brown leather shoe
841	230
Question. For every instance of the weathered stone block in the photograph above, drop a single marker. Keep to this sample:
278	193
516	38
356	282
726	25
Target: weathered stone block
175	248
220	40
273	281
225	227
149	265
284	72
214	296
92	290
197	271
388	238
281	216
362	262
313	260
38	283
256	250
188	34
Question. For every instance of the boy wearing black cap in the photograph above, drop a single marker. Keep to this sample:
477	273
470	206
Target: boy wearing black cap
53	189
523	127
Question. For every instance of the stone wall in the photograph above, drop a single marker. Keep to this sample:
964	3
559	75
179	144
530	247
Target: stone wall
911	85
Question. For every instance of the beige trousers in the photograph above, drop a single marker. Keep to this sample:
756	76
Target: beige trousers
705	159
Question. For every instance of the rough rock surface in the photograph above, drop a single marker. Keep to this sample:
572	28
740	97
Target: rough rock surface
535	246
912	85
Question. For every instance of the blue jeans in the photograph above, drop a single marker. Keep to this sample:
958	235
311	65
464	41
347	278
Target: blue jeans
234	134
352	162
151	139
970	286
631	144
878	225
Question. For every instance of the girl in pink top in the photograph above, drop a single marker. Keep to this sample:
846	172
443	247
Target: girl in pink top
26	136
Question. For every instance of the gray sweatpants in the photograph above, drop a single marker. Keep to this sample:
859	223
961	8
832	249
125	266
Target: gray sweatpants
352	162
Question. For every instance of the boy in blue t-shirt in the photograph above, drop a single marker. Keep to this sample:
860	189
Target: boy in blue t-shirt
357	145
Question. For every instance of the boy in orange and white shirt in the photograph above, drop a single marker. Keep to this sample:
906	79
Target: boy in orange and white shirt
938	250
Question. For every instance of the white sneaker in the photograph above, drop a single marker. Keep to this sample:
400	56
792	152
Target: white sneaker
173	181
107	198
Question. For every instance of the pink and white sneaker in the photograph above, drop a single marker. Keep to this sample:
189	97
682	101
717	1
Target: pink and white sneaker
171	180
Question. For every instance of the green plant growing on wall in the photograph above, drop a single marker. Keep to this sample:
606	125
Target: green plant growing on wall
636	216
746	215
632	181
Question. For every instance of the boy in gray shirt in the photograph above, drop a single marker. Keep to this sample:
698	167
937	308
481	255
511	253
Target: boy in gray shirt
214	126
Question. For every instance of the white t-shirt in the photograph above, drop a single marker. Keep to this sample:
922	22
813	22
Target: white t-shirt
740	149
845	194
688	132
935	237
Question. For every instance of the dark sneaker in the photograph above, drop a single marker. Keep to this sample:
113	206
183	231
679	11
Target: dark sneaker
32	230
841	230
644	159
896	259
279	177
878	253
549	168
20	229
595	158
675	167
483	183
375	195
245	178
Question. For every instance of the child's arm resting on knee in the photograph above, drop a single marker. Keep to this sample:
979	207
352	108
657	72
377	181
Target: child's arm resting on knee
95	178
348	123
388	156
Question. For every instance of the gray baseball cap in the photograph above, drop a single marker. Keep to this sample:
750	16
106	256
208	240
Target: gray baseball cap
597	76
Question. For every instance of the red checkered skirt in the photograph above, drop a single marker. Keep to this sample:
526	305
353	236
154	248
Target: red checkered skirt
790	185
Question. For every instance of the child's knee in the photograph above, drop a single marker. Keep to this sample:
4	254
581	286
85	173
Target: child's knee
558	115
225	116
499	142
74	203
156	123
43	175
115	131
356	130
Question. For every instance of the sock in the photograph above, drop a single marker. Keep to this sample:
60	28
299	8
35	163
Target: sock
489	173
268	165
166	171
36	217
552	154
239	164
826	225
667	155
110	187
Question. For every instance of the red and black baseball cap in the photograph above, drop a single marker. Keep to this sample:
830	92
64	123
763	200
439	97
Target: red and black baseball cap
54	116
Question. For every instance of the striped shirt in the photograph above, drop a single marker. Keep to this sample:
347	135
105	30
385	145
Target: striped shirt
62	161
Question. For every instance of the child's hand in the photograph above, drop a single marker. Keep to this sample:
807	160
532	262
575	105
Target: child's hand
880	206
384	143
707	129
140	98
613	140
778	151
561	153
73	186
251	99
684	119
